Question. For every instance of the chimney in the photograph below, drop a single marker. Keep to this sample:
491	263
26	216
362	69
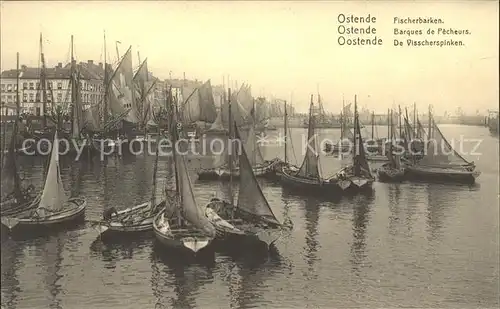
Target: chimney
59	65
100	65
73	62
90	62
24	67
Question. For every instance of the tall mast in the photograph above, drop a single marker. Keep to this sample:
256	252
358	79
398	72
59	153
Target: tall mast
73	91
286	134
230	151
399	119
415	119
406	119
373	125
175	138
389	122
117	51
356	150
106	91
43	84
18	103
391	133
254	152
430	123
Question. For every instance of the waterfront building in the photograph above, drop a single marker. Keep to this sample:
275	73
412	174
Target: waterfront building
58	90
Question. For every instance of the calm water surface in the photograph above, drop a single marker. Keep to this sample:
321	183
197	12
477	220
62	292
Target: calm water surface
412	245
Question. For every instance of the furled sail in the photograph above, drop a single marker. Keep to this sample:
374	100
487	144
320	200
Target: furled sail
310	164
250	196
440	152
189	208
53	195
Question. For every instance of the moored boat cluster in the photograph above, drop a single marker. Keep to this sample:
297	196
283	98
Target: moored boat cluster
178	222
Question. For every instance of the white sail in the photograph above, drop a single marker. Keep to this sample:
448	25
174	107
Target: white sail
53	195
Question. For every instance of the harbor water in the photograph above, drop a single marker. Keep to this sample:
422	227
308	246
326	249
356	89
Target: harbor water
409	245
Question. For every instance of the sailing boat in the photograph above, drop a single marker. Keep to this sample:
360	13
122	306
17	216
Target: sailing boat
308	179
138	218
181	224
343	146
285	164
14	198
377	145
356	177
118	103
53	206
393	170
441	162
261	167
252	216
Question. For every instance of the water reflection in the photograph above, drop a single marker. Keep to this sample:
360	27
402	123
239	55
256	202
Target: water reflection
176	280
12	253
114	249
440	197
248	271
49	249
361	209
394	196
311	207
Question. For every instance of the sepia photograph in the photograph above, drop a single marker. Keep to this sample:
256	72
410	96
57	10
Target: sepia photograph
249	154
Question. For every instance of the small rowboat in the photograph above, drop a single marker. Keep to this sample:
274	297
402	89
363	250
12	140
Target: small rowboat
130	220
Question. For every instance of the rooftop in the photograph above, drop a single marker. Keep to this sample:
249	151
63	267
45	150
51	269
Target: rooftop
88	70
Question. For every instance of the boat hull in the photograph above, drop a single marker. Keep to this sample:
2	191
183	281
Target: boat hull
377	158
266	170
75	212
143	223
242	226
387	174
327	187
433	174
185	239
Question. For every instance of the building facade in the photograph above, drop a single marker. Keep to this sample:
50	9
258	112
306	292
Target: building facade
57	90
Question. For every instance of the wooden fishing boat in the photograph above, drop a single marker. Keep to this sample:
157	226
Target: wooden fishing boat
393	171
261	167
15	197
134	219
441	162
357	177
53	206
181	224
252	217
266	170
308	179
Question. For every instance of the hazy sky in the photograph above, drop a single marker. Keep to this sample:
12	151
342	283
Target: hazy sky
281	48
